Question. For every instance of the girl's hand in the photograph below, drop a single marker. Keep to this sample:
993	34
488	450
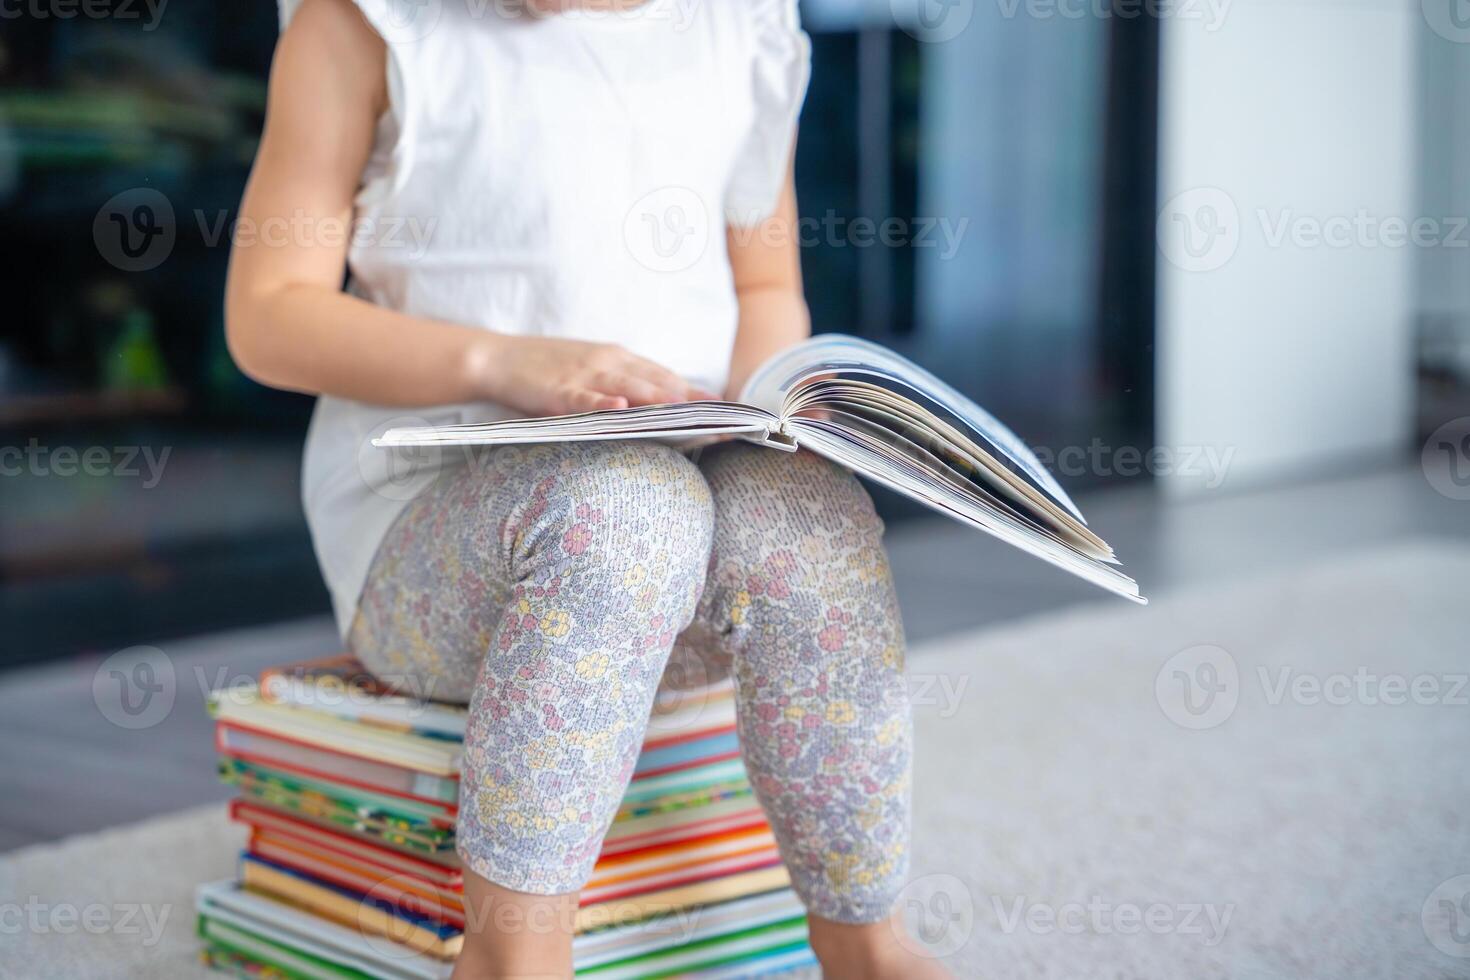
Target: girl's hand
545	376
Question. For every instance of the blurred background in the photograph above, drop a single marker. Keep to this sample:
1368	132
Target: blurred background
1212	260
1018	161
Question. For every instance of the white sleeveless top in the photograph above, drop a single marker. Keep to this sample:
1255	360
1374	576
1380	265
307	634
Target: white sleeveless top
565	175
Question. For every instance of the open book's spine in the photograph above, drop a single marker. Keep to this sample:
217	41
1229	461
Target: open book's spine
779	438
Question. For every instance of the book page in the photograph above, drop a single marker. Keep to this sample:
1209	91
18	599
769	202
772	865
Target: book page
774	383
937	459
978	510
930	432
685	421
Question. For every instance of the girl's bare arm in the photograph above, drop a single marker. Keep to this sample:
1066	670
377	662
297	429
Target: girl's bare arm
289	324
767	265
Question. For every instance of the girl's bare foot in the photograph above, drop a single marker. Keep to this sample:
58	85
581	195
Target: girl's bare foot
874	951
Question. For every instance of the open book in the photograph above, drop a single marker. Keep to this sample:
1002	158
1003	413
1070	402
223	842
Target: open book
875	413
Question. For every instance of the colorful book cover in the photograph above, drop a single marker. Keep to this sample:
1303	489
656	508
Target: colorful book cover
760	931
671	804
283	924
686	753
236	964
316	761
392	821
764	951
243	707
682	863
351	799
439	845
746	949
442	870
638	831
341	686
347	907
402	890
674	900
652	789
245	954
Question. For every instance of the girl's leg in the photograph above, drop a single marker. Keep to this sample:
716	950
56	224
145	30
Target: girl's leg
800	596
544	584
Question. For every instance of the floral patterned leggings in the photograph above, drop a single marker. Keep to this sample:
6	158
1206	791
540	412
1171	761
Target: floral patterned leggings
547	586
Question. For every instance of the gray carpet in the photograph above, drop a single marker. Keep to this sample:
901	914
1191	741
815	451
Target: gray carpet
1076	816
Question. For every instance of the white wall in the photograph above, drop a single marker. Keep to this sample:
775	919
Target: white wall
1295	354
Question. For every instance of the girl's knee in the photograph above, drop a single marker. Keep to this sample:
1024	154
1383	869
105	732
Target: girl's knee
797	552
814	513
647	489
612	507
753	485
837	490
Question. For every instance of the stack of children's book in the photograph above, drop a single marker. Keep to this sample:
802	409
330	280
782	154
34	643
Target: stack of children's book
349	794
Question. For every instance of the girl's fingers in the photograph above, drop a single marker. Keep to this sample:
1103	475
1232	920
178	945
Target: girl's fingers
640	391
636	388
659	375
680	389
587	400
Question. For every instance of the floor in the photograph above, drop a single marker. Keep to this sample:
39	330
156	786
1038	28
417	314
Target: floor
71	761
1099	824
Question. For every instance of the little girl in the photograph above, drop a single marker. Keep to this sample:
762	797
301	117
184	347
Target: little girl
553	208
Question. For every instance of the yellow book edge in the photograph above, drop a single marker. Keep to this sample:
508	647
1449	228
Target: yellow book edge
349	912
623	911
